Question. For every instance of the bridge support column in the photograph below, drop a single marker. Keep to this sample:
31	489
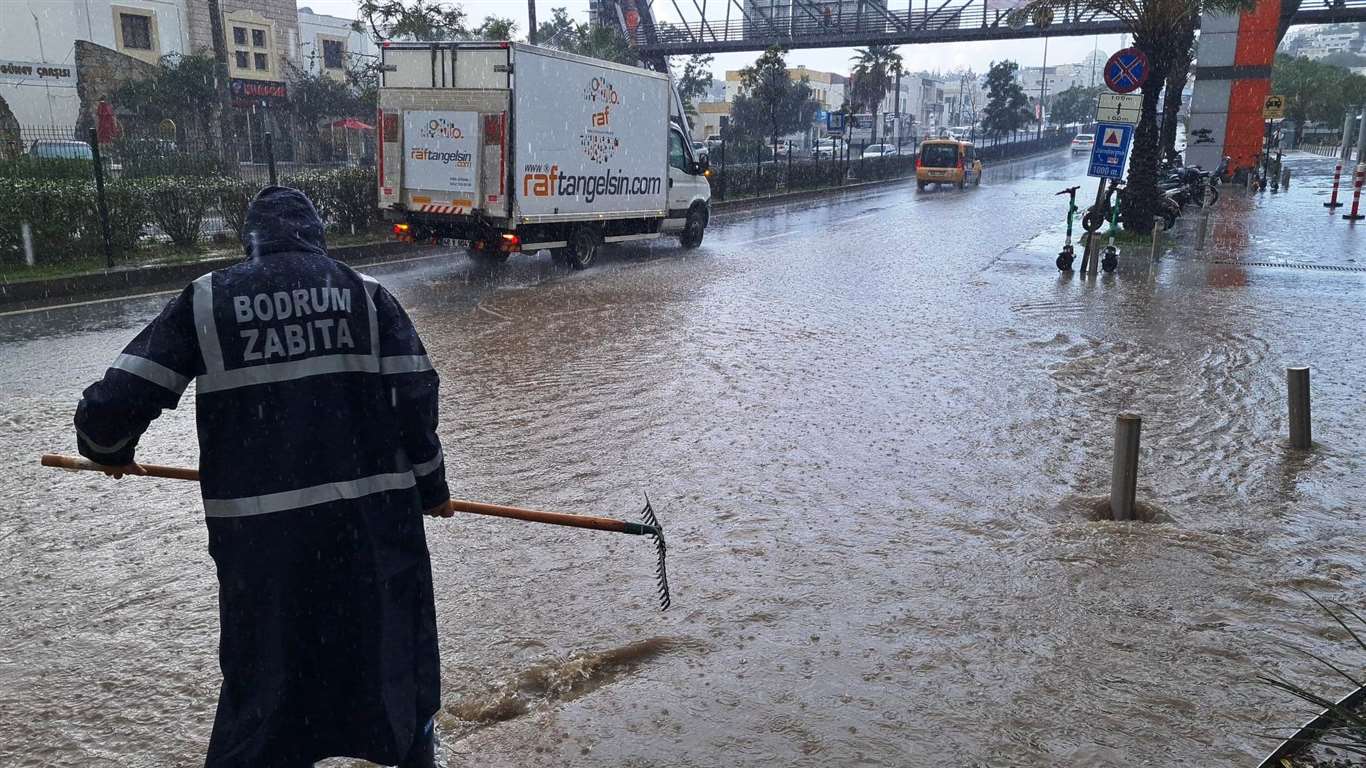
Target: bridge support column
1232	80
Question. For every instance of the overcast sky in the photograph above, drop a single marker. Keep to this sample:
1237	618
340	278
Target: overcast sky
941	56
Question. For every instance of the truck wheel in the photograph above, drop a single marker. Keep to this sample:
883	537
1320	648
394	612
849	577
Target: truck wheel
693	230
583	246
920	185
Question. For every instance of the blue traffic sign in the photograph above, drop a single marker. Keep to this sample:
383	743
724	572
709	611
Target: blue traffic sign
1110	149
834	121
1127	70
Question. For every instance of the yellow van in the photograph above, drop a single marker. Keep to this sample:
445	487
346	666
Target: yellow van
947	161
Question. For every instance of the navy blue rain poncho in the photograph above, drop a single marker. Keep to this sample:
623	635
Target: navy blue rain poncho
317	411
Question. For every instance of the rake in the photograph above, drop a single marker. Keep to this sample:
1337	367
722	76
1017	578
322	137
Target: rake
651	527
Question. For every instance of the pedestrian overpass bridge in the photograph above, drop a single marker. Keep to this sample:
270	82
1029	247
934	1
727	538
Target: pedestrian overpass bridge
746	25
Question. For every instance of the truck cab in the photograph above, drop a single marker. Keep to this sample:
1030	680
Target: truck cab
689	190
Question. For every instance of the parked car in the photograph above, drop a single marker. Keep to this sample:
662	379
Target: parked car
1083	142
879	150
714	141
826	149
60	149
700	150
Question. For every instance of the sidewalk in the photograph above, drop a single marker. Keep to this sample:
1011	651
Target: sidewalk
1289	229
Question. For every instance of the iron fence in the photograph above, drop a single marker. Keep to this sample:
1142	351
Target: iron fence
749	169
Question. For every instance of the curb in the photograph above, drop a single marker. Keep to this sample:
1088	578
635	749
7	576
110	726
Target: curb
36	294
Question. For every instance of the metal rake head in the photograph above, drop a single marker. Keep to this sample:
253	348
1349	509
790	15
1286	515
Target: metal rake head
657	532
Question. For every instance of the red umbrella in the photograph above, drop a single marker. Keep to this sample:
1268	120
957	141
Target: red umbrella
106	125
352	123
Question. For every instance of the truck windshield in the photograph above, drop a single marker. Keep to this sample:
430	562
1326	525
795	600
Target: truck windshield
939	155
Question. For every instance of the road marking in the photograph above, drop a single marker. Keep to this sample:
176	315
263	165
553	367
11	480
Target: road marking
480	306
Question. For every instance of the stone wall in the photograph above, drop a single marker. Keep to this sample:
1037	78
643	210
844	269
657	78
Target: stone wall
99	72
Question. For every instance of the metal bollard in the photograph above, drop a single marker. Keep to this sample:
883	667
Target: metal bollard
1297	395
1285	179
1157	238
1124	470
1203	232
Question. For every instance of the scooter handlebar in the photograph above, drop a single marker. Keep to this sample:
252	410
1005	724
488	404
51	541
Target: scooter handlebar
1068	191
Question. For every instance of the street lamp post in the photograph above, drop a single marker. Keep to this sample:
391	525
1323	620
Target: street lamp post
1043	84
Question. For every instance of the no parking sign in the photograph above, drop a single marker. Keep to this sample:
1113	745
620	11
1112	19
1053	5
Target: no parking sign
1127	70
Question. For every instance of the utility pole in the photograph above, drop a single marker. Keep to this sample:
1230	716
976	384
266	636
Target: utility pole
531	21
1043	84
896	111
224	140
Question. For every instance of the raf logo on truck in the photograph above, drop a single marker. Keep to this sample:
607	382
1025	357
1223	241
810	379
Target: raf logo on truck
599	142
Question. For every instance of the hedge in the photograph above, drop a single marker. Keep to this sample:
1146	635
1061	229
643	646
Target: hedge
64	221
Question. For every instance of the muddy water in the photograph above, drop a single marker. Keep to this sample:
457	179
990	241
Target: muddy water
874	428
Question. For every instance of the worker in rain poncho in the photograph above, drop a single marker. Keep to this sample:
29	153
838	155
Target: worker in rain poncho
317	413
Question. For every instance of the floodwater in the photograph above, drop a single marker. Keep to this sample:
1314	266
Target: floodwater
874	427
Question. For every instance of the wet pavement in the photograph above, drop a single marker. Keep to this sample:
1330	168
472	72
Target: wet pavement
874	426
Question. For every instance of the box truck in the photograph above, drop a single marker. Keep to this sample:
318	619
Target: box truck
506	147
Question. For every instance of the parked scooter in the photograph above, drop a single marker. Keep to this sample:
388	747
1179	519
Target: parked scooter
1066	255
1097	215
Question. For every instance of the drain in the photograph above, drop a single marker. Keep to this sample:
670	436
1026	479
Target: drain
1291	265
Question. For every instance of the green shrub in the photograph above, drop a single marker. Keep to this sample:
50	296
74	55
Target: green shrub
128	214
232	198
178	204
59	214
345	197
357	198
320	186
25	167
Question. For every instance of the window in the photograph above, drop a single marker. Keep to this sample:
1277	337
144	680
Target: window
677	157
137	31
252	45
333	54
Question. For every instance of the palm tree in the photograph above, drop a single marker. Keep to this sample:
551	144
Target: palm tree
875	67
1158	29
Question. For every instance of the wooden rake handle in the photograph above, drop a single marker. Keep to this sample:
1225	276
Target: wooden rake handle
454	505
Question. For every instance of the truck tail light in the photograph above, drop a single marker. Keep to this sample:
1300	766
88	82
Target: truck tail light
403	232
510	242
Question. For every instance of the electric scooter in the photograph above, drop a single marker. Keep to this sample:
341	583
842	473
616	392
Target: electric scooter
1066	255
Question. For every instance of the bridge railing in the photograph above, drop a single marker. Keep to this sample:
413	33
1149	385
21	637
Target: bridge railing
808	21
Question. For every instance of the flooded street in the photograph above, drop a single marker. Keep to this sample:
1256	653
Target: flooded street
873	426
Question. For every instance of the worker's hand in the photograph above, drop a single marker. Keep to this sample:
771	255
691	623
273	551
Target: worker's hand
441	510
126	469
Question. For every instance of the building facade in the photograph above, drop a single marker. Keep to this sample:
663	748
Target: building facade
38	67
329	44
40	73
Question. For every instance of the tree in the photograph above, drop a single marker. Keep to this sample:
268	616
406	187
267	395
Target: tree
771	104
1157	27
496	28
183	89
1007	106
695	81
598	42
1074	105
875	69
425	20
559	31
1176	83
1315	91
